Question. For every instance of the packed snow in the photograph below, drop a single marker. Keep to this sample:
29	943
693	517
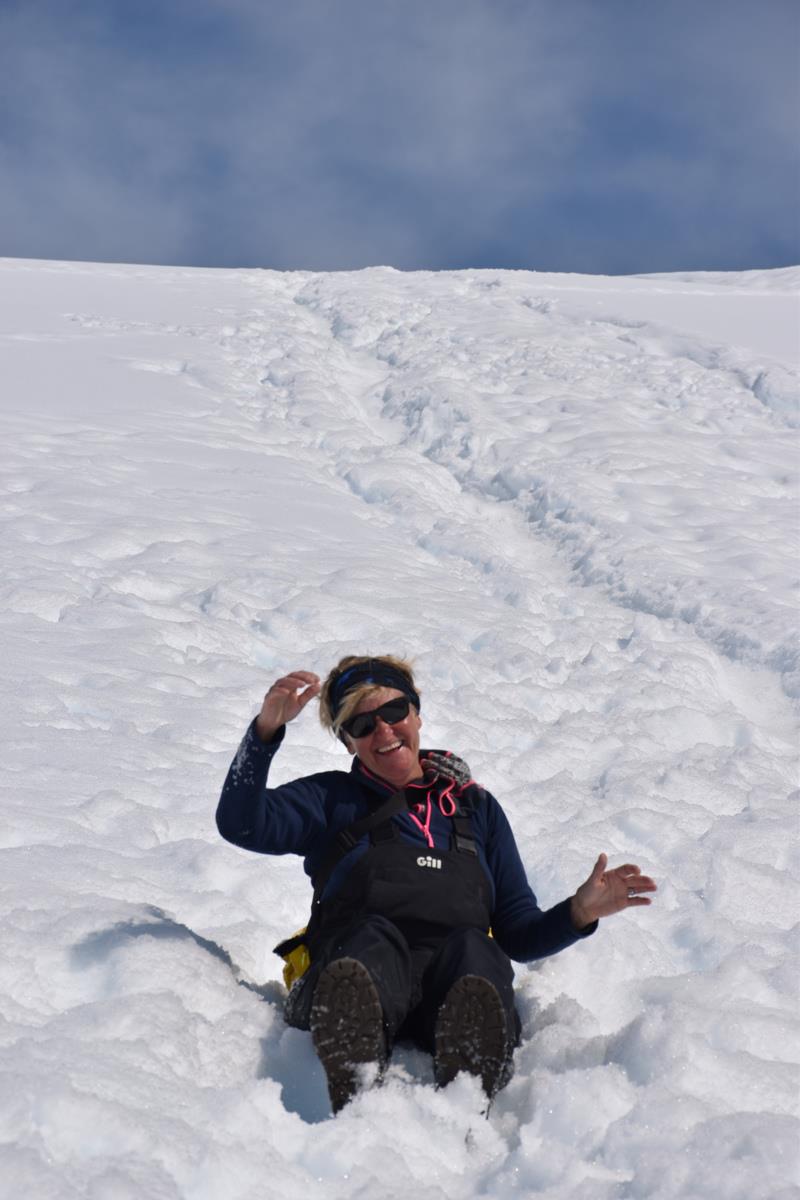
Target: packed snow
573	502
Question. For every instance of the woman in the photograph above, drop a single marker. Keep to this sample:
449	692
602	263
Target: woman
412	864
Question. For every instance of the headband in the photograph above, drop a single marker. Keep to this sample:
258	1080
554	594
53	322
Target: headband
372	671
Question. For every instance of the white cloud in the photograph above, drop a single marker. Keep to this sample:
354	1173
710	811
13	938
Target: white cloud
328	135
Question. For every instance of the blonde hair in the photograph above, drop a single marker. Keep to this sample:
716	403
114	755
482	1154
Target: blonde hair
352	699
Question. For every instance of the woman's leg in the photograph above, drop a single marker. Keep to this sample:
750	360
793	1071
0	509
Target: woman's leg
353	999
466	952
380	947
467	1017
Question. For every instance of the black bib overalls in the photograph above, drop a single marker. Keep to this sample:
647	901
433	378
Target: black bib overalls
418	919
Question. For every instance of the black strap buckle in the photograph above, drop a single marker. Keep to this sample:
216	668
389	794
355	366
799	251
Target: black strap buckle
346	839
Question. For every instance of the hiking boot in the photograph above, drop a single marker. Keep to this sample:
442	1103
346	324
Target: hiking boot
347	1027
472	1035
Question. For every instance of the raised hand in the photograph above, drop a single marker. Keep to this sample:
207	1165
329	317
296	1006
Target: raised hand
607	892
287	697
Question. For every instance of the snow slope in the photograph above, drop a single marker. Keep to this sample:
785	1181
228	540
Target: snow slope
573	501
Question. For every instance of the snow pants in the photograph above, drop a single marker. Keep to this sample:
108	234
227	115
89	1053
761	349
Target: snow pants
412	978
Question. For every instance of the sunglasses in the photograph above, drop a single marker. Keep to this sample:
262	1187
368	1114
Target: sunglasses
363	724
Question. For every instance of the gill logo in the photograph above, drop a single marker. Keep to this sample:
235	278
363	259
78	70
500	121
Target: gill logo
425	860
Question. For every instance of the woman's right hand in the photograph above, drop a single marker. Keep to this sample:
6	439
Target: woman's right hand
286	698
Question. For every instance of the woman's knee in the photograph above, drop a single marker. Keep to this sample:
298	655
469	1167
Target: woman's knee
473	950
379	946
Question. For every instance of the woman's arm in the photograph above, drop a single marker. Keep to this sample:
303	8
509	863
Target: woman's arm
526	932
282	820
522	929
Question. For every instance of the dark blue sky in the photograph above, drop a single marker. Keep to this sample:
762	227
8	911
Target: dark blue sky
604	136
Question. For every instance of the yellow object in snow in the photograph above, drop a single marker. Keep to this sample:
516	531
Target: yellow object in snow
296	958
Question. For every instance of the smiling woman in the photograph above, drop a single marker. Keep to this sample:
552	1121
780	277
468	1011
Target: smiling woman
420	897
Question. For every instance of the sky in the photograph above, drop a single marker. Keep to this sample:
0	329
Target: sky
611	138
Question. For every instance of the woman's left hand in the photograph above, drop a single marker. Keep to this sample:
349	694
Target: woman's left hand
607	892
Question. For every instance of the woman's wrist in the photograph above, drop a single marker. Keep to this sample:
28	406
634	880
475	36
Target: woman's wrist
265	733
579	916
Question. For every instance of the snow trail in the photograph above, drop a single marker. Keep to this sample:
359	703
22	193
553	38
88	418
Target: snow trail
581	523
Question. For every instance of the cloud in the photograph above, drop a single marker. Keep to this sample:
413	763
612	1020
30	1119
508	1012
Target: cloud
416	133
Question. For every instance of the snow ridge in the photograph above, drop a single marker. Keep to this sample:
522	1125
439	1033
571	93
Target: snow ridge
609	499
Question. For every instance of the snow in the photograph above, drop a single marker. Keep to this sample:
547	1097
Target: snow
573	501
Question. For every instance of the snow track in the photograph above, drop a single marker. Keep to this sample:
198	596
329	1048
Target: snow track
573	502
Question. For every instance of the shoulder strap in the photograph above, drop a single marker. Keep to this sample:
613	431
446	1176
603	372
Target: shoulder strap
348	837
463	834
463	830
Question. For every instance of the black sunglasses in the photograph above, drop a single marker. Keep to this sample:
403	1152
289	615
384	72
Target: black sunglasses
362	724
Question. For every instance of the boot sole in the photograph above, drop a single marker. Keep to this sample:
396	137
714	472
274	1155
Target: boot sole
347	1028
472	1035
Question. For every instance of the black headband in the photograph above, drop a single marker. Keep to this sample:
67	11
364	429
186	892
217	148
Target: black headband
372	671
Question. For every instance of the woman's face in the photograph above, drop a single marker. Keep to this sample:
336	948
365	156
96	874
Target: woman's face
390	751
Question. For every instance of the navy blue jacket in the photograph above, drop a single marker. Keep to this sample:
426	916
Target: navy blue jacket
304	816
